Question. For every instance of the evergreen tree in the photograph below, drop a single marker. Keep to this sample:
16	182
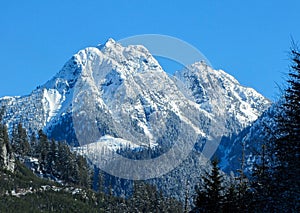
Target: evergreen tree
20	142
51	158
243	194
83	176
100	185
62	160
15	140
231	202
25	147
67	163
262	180
146	198
42	150
210	198
33	145
287	143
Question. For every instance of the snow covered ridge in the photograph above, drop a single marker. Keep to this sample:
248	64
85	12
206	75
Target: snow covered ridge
135	99
135	103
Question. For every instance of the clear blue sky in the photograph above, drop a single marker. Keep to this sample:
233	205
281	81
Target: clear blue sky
248	39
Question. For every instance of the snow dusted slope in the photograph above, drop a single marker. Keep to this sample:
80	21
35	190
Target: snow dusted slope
126	96
253	137
221	95
234	106
136	100
134	97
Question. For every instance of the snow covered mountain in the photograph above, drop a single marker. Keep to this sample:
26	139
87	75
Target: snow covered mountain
127	98
251	140
130	78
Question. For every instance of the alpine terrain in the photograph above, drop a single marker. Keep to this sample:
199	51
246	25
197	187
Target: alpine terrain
120	98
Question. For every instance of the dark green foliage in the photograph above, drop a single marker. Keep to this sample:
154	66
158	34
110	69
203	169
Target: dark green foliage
262	181
19	141
146	198
42	150
213	186
238	196
21	178
83	173
66	166
210	196
287	142
275	179
231	201
52	158
47	201
33	145
57	161
216	194
243	196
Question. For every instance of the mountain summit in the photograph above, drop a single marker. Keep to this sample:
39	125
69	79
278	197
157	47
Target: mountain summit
121	73
121	96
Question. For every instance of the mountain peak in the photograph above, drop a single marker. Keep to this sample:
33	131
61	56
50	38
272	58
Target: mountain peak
109	43
130	77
